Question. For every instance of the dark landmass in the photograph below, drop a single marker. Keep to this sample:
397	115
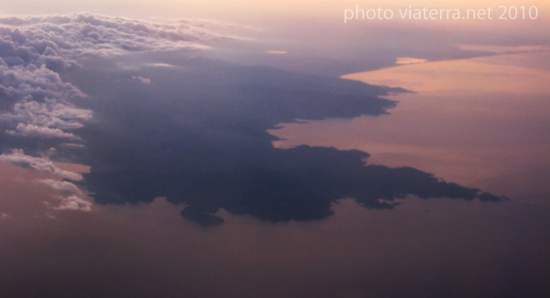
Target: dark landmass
197	134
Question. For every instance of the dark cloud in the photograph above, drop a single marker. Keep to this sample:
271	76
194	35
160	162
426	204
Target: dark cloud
200	138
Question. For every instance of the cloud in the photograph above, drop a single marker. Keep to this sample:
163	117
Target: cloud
213	151
49	113
18	157
221	155
4	216
73	199
204	22
66	187
142	79
30	130
159	65
34	82
71	146
47	119
47	38
34	49
409	60
41	102
276	52
31	48
72	203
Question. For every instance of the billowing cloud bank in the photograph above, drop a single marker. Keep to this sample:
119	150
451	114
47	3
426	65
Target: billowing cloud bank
37	104
18	157
34	49
72	199
95	34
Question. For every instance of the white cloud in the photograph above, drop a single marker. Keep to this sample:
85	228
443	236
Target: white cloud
34	48
50	216
34	82
18	157
4	216
142	79
71	146
47	119
66	187
31	130
73	199
50	113
72	203
409	60
46	37
159	65
42	106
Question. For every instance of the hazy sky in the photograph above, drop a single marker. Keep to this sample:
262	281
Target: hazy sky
314	35
169	116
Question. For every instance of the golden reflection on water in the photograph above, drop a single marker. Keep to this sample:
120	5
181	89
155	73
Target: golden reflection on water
484	74
482	122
